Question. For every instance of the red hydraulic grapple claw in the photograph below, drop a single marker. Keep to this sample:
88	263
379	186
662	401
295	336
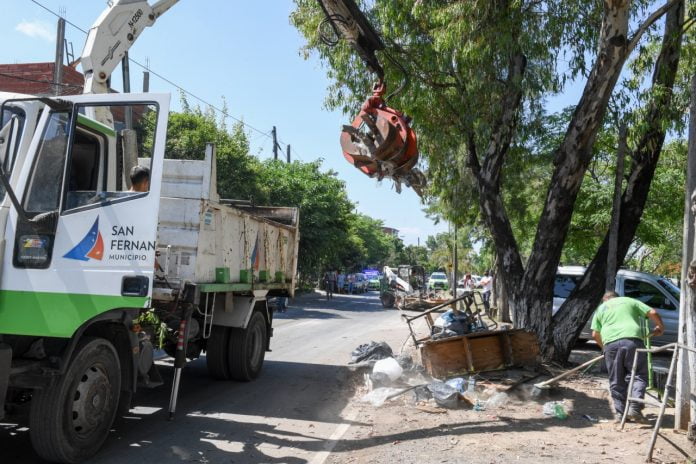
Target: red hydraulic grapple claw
381	143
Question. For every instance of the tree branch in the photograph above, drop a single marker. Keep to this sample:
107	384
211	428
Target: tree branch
657	14
504	127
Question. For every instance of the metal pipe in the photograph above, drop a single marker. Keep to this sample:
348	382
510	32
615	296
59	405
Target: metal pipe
665	395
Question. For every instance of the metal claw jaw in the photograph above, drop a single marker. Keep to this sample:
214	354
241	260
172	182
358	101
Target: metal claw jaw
381	143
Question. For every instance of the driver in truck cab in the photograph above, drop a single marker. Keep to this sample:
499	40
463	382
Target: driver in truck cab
140	179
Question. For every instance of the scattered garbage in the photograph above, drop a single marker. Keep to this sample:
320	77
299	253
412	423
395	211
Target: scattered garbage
388	368
471	385
405	361
479	406
497	400
372	351
457	383
379	396
444	395
422	393
590	418
556	409
450	324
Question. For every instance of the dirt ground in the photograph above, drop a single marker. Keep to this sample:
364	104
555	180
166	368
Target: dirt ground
407	431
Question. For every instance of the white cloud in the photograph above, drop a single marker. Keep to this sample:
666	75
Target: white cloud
36	29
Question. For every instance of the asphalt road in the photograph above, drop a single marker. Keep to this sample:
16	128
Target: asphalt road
293	413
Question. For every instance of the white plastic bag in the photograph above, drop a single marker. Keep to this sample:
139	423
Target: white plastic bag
378	396
388	367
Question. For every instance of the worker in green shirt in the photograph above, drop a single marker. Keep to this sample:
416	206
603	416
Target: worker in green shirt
617	327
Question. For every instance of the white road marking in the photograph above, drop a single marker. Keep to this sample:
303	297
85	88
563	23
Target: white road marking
341	430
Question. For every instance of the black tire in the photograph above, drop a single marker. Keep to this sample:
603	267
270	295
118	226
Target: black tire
387	300
217	353
70	420
248	349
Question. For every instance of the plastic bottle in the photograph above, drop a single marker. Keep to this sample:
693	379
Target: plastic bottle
470	385
559	411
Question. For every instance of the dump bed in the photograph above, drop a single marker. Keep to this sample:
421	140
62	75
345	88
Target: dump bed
221	245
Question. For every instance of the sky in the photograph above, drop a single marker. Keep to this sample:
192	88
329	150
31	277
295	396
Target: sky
245	52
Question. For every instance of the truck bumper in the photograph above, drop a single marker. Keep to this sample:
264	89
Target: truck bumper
5	363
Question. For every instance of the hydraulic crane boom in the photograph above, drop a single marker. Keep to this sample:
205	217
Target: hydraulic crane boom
112	35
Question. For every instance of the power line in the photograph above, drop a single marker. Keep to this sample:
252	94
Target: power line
147	68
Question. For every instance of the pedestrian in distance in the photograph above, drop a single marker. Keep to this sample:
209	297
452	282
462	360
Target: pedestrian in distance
617	327
333	279
486	289
328	285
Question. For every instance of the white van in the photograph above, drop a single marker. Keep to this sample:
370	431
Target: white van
655	291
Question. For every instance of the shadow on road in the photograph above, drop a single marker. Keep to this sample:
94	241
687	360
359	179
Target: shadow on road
218	421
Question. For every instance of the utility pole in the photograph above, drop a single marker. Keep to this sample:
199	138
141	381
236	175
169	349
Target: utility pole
146	77
685	408
610	283
58	64
287	152
125	68
275	144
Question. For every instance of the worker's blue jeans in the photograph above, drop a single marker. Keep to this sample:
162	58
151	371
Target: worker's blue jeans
618	356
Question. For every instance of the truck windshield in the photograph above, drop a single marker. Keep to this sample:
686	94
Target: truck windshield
8	112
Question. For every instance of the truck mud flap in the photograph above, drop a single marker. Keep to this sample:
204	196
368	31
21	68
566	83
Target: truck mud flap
5	363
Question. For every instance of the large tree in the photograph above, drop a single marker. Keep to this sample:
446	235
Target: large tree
481	72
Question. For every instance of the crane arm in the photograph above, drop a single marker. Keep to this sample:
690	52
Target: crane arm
112	35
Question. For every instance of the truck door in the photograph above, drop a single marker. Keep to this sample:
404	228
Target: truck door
647	292
90	245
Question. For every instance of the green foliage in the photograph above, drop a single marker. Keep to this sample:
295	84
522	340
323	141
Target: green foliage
332	235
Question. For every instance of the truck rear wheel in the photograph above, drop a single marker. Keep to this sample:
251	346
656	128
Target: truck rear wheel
217	353
70	420
247	349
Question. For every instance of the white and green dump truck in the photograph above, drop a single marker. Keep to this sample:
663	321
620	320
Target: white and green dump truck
95	275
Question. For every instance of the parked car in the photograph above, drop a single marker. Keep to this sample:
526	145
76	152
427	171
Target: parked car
374	282
438	281
355	283
653	290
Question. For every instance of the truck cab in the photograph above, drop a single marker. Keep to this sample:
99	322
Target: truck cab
78	257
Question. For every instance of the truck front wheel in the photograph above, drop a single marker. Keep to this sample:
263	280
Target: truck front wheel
70	420
248	348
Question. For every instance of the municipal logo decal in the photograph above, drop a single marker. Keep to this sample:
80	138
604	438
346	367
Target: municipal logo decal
90	247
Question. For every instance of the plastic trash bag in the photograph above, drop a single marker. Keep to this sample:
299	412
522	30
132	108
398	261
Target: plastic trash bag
457	383
450	324
444	395
372	351
378	396
388	367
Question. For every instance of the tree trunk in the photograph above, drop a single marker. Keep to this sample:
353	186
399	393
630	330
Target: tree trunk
571	161
612	267
576	310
